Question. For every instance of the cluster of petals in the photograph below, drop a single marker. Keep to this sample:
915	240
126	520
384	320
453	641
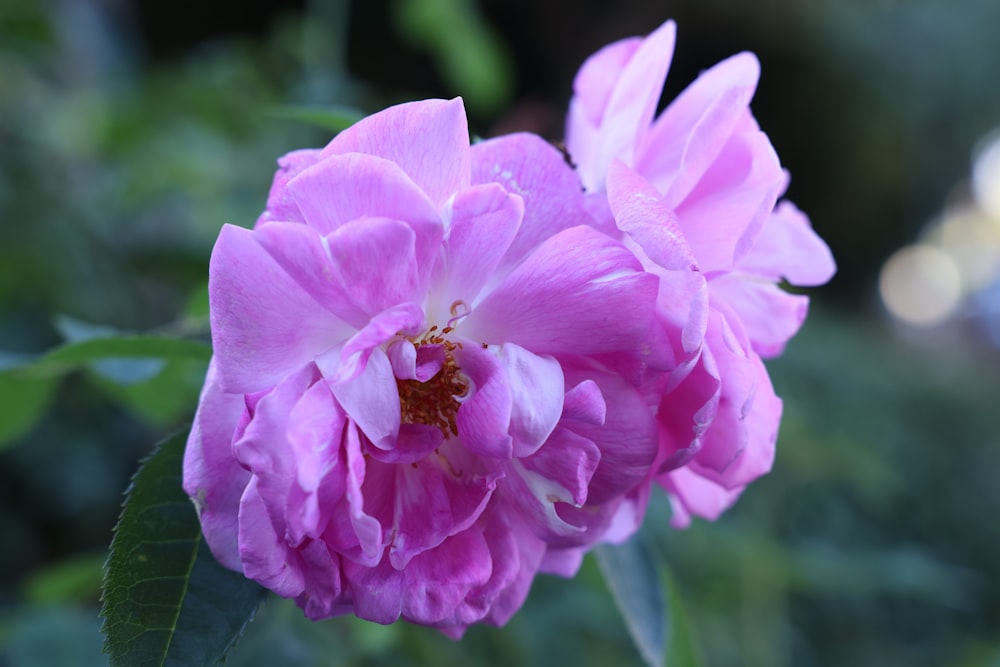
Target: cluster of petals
441	368
425	382
694	191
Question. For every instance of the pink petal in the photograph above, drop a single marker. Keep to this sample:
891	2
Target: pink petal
689	135
638	72
343	188
280	204
567	463
410	363
585	403
354	530
769	315
627	440
727	436
303	254
264	323
789	248
562	562
516	556
266	558
430	502
377	591
371	400
344	363
438	581
640	212
212	477
693	494
484	220
429	140
536	389
725	211
484	417
531	168
580	292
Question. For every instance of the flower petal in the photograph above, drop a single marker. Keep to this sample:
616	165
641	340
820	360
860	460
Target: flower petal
280	204
789	248
264	323
770	315
638	72
483	222
429	140
484	417
724	213
212	476
533	169
691	132
580	292
371	400
438	581
536	389
640	212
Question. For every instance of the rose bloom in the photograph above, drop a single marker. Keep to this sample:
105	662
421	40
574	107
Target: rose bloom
695	191
424	387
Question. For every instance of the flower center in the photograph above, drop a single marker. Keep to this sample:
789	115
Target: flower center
436	401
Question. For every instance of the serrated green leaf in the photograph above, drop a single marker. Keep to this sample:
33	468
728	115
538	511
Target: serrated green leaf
634	581
333	118
167	601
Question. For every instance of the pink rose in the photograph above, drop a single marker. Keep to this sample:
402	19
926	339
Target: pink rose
425	382
694	191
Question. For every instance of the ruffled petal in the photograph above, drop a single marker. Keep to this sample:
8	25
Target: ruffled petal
627	440
281	205
691	132
484	417
212	476
264	323
640	212
483	222
770	315
438	581
638	71
536	389
533	169
580	292
371	400
789	248
724	213
429	140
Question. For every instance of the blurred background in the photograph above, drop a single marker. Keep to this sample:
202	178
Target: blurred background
131	131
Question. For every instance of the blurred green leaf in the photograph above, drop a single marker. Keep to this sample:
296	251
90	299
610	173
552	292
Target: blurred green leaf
333	118
681	648
75	578
125	346
647	596
22	402
632	577
167	601
164	399
472	58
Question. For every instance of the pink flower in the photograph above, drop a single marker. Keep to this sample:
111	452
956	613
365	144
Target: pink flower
419	395
695	190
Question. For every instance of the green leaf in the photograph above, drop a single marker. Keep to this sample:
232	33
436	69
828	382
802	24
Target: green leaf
333	118
125	346
634	581
77	577
22	403
647	596
682	651
167	601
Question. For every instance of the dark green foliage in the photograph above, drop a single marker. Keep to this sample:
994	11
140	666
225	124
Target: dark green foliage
167	601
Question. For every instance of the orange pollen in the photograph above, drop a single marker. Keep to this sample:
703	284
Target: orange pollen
436	401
